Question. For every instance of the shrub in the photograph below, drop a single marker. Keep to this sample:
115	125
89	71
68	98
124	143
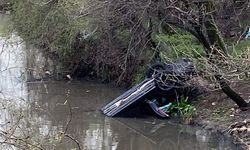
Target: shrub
183	109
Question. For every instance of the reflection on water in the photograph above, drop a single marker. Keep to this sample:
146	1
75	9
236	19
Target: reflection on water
95	131
39	112
11	63
91	128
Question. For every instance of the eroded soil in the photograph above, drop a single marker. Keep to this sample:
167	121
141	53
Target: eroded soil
217	112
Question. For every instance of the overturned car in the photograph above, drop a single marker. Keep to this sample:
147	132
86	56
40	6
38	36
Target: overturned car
164	84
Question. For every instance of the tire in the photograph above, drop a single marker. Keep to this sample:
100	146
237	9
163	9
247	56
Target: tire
154	69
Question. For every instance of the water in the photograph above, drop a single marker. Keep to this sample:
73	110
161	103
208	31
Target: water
62	115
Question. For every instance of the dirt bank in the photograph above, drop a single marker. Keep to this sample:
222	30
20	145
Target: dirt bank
218	113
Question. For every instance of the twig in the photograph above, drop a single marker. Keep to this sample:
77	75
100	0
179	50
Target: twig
14	138
70	119
70	111
75	140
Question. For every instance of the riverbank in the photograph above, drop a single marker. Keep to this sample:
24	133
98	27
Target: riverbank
216	112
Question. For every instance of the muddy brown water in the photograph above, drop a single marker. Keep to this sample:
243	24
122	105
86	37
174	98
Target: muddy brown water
40	111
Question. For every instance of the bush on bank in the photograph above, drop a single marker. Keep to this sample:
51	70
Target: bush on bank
83	43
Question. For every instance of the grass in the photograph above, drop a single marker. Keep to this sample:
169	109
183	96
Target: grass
179	45
183	109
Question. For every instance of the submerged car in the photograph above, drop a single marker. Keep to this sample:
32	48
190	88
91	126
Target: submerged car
164	84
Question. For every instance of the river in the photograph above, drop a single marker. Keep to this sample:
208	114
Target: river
61	115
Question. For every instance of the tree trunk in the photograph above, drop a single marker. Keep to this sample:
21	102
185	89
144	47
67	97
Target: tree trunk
207	32
152	43
213	33
243	105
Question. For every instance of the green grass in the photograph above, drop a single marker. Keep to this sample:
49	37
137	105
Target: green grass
183	109
179	45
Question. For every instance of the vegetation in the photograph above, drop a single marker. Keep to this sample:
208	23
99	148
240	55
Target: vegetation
5	26
50	27
114	39
116	45
72	33
183	109
179	45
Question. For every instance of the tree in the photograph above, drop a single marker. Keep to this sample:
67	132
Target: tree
197	17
